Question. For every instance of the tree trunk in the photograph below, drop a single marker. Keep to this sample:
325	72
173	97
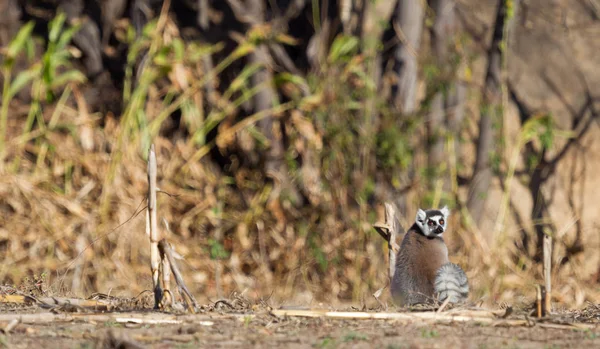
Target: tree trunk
447	105
254	14
408	25
409	20
440	39
490	113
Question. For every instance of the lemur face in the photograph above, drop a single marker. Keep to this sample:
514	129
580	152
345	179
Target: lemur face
433	222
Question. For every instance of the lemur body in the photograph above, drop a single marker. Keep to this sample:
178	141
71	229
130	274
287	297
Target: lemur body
423	271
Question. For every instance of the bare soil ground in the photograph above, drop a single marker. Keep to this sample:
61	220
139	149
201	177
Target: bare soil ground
255	326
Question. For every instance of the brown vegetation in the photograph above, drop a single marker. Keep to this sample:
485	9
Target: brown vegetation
281	128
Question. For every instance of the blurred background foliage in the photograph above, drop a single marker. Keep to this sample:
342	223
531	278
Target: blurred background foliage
281	128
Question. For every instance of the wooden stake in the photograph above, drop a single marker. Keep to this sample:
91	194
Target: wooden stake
152	227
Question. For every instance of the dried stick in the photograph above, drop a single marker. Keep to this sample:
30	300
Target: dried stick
485	317
46	302
167	254
166	274
152	227
10	326
390	231
166	280
547	248
116	317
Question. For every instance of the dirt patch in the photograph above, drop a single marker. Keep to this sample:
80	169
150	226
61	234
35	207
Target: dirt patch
257	327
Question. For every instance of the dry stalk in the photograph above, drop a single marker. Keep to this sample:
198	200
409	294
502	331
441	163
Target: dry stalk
166	254
443	306
166	280
541	301
548	271
152	227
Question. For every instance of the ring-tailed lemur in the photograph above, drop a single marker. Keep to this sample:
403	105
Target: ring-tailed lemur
423	271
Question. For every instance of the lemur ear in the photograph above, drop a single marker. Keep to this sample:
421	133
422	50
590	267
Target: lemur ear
421	215
445	211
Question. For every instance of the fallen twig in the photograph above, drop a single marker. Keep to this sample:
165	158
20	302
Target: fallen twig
47	302
10	326
152	318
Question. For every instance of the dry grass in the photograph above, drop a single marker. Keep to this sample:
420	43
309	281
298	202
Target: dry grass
72	202
51	225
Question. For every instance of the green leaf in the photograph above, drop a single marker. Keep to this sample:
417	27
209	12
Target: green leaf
196	52
134	50
243	50
288	77
69	76
342	47
258	136
20	40
149	28
162	57
30	49
178	49
21	80
217	250
66	37
55	26
243	78
130	36
191	115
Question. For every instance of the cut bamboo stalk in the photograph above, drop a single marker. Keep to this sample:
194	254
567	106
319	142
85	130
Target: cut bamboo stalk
152	227
547	250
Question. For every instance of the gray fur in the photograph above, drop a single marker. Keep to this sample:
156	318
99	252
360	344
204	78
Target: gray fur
451	282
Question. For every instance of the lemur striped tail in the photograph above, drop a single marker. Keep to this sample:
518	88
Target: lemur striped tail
451	282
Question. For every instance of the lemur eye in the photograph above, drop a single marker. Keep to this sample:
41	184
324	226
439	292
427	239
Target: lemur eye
430	223
442	221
